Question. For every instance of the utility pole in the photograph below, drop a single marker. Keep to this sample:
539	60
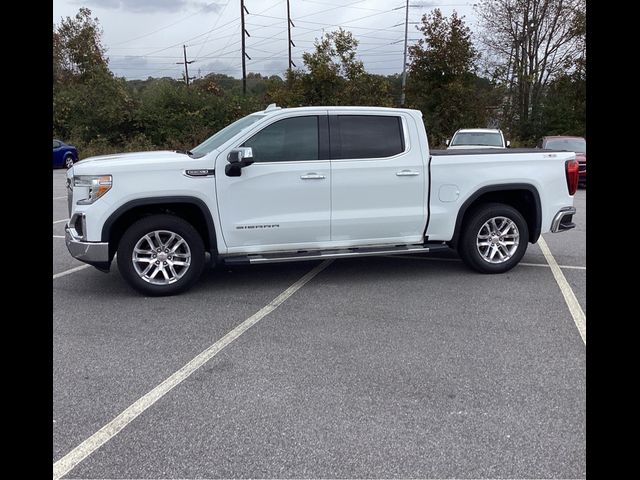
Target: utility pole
289	25
404	61
186	68
244	32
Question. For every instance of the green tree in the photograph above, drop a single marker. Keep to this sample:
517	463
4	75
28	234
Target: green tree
563	108
77	48
442	80
531	43
334	77
88	102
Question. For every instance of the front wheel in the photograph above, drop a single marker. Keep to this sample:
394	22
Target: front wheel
494	238
161	255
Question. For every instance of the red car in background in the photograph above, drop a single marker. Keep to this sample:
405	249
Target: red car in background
572	144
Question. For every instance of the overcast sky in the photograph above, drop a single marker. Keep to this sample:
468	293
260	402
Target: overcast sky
145	37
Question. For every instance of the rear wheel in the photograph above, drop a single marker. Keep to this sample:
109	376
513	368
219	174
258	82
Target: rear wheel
68	161
161	255
494	238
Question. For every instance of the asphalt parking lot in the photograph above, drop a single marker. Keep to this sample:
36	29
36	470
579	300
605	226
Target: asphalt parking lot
380	367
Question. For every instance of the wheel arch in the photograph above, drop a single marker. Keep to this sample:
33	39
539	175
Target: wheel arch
191	209
524	197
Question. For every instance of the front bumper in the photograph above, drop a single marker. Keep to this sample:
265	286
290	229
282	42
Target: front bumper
563	220
93	253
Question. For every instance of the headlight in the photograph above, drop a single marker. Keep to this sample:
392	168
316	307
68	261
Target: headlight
98	185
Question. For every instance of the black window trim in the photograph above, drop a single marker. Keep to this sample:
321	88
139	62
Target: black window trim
334	133
323	137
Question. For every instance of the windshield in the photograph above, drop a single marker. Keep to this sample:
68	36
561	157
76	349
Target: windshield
225	134
570	144
484	139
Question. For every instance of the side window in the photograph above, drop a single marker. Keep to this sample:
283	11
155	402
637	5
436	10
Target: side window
288	140
56	144
370	136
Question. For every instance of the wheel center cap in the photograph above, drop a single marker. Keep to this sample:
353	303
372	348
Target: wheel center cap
162	256
495	240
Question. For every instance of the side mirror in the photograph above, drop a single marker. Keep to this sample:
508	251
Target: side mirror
243	155
508	144
238	158
447	142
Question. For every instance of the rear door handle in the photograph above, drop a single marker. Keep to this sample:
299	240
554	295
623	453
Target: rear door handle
312	176
407	173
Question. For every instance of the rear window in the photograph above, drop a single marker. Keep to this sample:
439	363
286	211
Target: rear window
369	136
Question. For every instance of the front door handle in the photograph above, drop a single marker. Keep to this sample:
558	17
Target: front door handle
312	176
407	173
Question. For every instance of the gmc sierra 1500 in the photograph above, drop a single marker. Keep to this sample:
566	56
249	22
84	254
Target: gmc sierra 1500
311	183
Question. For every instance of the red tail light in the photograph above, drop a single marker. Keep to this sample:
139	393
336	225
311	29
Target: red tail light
571	169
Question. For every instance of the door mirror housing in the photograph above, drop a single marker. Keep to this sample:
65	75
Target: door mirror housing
241	155
446	142
508	144
238	158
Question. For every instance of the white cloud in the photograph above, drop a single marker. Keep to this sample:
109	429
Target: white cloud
153	6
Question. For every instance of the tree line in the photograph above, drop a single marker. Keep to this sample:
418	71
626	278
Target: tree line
524	71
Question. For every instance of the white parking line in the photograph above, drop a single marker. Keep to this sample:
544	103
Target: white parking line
111	429
545	265
60	221
59	198
71	270
58	236
577	313
568	267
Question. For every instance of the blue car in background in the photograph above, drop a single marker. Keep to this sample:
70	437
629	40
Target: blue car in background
64	155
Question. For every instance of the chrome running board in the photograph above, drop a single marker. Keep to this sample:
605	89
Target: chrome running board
302	255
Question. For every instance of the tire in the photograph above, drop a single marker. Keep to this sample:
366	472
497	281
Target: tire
68	161
168	271
485	252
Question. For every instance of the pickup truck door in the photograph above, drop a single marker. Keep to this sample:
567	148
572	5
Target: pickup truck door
284	198
378	179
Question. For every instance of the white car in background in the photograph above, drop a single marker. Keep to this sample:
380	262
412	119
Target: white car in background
477	138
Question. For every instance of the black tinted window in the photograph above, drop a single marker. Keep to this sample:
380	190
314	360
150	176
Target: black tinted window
369	136
288	140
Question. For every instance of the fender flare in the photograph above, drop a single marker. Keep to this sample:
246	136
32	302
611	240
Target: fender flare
534	234
139	202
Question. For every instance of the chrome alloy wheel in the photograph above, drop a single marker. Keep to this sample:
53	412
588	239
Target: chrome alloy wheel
498	240
161	257
68	162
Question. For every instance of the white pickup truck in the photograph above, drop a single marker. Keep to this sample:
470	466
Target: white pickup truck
312	183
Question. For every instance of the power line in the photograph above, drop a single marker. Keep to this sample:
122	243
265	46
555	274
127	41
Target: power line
239	41
378	33
162	28
214	26
192	38
344	6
